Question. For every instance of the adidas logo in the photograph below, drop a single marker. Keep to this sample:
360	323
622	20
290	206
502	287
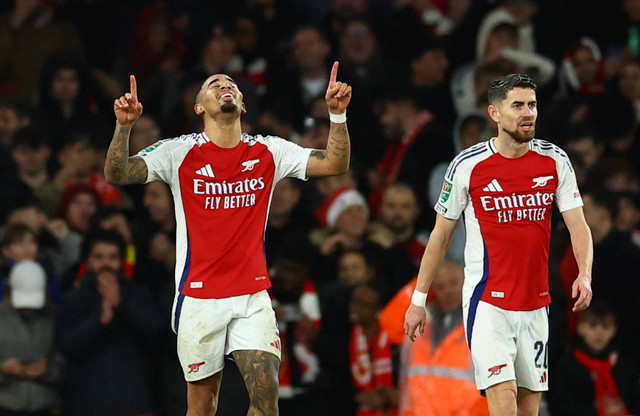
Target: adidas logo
543	379
206	171
494	186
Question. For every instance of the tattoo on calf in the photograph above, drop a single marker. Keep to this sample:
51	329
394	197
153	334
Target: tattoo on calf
259	370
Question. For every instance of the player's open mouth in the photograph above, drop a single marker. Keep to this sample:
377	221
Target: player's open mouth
526	126
227	96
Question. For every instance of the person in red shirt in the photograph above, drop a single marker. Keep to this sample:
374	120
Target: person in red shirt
222	181
505	188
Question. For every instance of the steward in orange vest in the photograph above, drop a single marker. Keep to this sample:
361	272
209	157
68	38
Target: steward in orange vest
437	376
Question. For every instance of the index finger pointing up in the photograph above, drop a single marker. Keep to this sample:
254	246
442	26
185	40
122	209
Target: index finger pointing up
133	86
334	73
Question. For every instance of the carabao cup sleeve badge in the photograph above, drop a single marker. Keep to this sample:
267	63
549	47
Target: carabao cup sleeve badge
446	191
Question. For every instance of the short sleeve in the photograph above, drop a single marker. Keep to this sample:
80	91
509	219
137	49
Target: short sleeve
567	192
453	197
158	160
291	159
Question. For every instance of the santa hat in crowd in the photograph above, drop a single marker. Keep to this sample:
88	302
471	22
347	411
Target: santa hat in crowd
330	210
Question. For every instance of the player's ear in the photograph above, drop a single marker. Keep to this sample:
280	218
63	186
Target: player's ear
244	109
494	113
198	109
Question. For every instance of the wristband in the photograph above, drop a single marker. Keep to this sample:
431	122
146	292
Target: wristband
338	118
419	298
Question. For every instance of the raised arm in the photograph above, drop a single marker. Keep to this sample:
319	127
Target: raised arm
582	243
334	160
439	240
119	168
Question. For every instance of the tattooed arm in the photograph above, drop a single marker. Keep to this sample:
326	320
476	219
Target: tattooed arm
334	160
119	168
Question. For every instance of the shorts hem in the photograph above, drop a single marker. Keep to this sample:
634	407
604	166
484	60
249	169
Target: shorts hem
193	377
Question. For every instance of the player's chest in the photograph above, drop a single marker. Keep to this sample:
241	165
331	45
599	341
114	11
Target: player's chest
522	190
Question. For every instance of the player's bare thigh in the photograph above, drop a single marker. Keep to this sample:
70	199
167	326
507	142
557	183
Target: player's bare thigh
202	395
506	399
259	369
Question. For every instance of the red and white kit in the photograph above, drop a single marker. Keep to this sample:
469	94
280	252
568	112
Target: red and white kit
506	204
222	197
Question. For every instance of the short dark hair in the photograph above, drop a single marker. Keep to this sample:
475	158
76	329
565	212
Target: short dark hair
599	310
500	88
30	137
104	236
15	232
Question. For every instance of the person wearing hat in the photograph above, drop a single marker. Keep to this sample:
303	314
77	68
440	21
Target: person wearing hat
31	368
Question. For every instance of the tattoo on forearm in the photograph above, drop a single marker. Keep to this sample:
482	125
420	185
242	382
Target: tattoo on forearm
319	154
259	370
119	167
338	146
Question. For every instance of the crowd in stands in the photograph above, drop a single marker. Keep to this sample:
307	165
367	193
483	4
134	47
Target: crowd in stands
87	268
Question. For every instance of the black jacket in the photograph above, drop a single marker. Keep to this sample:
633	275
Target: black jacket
109	366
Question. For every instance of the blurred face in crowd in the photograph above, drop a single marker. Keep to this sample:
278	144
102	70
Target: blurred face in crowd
218	53
285	198
431	67
391	120
309	49
157	200
586	149
353	269
447	286
79	212
630	81
364	306
357	43
79	155
104	257
246	35
473	133
25	248
585	65
632	9
399	209
66	85
118	222
597	332
144	133
628	218
353	221
31	161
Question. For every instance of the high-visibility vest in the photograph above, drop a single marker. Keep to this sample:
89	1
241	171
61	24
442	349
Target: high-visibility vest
441	382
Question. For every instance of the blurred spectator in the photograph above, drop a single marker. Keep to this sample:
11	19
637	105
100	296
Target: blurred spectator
615	263
284	222
354	268
32	369
499	46
416	146
628	219
31	153
250	60
585	149
78	204
57	246
613	173
143	134
13	116
107	328
305	78
68	102
297	308
276	121
582	69
594	378
18	244
438	377
340	12
428	78
370	355
28	34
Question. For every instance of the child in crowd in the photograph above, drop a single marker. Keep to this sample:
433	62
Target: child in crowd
594	379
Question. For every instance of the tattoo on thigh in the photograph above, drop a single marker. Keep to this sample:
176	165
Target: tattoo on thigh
259	370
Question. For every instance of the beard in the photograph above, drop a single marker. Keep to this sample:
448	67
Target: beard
521	137
229	107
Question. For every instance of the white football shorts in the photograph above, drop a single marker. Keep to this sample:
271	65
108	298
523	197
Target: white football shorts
209	329
508	345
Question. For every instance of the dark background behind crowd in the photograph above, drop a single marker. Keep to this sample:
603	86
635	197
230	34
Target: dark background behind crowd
419	70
